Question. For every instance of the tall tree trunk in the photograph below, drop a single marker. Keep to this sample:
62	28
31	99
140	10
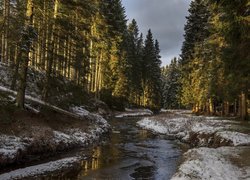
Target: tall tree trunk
25	55
51	54
16	68
4	40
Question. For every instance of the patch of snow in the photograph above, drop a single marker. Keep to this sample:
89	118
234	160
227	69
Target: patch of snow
135	113
182	128
41	169
31	108
169	126
79	111
238	139
153	125
60	137
200	127
176	111
10	146
4	89
209	163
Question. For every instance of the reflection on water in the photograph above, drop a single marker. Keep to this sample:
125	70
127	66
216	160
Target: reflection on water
92	163
131	154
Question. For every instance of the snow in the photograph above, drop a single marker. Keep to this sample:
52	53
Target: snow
238	139
61	137
173	126
205	162
153	125
31	108
209	163
80	111
182	127
7	90
96	118
179	111
199	127
10	146
134	113
40	169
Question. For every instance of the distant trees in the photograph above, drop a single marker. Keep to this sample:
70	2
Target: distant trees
171	86
87	42
215	60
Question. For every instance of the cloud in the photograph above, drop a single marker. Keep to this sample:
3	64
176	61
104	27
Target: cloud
166	19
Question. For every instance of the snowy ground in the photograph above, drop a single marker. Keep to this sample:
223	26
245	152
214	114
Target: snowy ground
11	147
218	164
43	138
41	169
206	131
220	146
134	113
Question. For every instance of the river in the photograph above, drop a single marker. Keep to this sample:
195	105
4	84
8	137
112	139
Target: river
128	153
131	153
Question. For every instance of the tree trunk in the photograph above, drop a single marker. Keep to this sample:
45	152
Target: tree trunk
4	40
211	107
51	54
243	109
226	108
24	57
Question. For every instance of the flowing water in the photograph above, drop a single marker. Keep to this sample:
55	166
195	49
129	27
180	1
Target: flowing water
131	153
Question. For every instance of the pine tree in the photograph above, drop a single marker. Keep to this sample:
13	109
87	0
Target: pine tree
192	63
151	73
134	59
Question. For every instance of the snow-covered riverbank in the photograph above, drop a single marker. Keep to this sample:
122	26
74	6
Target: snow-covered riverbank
134	113
220	145
89	128
42	169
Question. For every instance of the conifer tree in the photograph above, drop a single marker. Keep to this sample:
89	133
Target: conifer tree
151	73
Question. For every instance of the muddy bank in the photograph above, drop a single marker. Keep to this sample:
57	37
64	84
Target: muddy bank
27	136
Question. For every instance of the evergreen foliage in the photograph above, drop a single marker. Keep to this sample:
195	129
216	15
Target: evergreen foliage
215	57
171	85
87	42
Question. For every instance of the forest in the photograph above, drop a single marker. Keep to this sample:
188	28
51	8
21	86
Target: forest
92	45
84	94
213	71
87	42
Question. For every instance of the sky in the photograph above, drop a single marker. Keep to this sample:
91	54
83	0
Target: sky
166	19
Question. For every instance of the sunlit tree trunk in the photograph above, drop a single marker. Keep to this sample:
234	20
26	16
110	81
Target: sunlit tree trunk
4	40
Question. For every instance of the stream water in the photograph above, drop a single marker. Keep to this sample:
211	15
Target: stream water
128	153
131	153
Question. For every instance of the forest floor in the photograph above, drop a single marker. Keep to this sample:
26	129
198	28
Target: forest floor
219	147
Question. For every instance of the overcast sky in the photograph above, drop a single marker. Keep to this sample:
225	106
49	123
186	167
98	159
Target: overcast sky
166	19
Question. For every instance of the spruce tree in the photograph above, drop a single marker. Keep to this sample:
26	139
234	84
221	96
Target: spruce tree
151	73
